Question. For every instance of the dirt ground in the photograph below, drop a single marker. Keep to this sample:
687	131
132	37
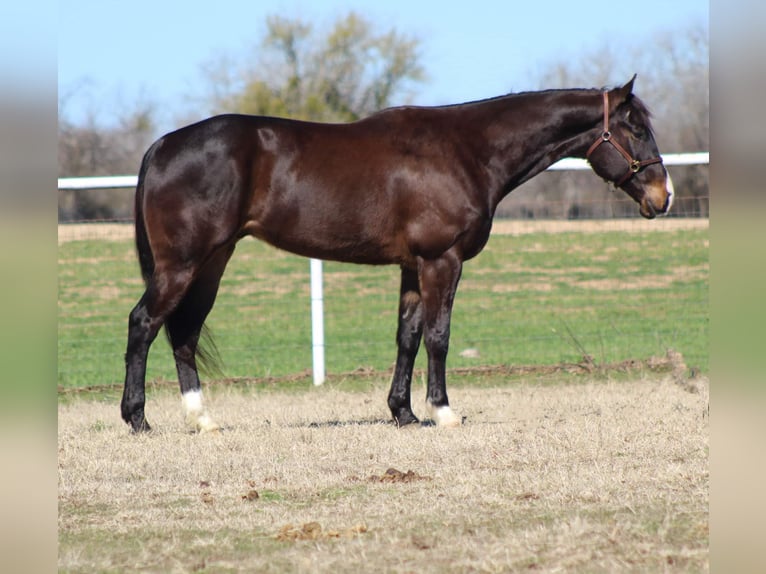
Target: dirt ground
570	476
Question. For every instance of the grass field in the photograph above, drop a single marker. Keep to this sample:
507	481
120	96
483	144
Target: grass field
535	298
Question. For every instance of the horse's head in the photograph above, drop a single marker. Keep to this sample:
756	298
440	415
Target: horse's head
626	154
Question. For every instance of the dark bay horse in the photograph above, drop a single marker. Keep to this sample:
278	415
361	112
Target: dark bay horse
411	186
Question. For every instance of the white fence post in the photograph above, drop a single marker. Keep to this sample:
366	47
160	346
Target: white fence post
317	321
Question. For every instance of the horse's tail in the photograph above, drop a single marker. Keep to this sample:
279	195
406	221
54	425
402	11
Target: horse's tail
143	248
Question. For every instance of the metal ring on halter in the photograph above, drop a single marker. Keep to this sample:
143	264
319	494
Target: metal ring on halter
606	136
635	166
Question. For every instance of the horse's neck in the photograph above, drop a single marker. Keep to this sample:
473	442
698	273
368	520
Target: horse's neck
530	132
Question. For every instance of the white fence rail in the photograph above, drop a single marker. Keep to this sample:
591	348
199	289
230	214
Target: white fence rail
696	158
569	163
315	266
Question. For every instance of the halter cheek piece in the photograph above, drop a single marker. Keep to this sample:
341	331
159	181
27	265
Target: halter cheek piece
634	165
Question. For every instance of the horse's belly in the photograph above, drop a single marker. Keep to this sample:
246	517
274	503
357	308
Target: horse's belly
330	241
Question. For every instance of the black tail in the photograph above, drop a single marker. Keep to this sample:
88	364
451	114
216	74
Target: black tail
207	355
144	250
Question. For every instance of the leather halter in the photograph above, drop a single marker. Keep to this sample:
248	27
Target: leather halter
634	165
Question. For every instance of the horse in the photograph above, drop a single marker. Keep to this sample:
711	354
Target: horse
410	186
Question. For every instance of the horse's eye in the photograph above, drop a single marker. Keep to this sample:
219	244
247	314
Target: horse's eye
636	131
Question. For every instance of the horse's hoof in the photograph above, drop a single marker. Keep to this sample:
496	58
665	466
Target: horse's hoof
406	419
195	414
141	426
202	424
445	416
208	425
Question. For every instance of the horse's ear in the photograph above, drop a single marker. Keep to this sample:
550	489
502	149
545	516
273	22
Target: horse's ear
627	89
620	95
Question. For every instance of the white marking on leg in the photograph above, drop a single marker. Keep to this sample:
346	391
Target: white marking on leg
195	415
444	416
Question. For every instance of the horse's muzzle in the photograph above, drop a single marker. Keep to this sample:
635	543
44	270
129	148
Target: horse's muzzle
658	198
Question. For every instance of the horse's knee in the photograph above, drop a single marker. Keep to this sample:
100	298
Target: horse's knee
408	340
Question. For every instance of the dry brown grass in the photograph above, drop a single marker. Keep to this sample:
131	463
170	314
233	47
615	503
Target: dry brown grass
124	231
596	476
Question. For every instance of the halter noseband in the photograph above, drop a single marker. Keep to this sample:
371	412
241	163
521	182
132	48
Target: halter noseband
634	165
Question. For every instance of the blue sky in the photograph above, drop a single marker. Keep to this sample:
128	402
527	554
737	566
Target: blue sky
113	53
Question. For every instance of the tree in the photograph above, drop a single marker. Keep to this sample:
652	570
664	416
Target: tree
343	75
92	147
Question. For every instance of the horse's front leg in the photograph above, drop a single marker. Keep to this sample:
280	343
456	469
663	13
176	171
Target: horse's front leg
438	283
408	335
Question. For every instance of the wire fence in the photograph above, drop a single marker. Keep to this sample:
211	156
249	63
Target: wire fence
541	293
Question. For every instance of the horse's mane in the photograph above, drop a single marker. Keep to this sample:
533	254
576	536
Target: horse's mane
640	111
520	94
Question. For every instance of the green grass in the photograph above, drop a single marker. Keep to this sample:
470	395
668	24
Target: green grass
529	299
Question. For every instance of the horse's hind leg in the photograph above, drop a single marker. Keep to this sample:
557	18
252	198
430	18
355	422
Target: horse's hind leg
184	326
408	335
164	290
